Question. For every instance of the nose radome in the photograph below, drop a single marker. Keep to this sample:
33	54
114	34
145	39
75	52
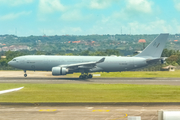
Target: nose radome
9	63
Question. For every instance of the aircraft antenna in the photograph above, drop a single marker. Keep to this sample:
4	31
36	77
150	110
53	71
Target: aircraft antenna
16	31
121	30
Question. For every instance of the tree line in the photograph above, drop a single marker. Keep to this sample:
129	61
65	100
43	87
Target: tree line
173	57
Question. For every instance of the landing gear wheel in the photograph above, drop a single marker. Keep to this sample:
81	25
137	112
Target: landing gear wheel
85	76
25	75
80	76
90	76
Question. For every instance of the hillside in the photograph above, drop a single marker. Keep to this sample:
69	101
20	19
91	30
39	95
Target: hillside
125	44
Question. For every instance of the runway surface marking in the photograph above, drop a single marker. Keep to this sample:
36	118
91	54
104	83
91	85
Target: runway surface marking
100	110
47	110
125	115
89	107
10	90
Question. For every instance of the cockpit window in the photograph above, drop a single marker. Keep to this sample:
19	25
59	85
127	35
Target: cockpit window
14	59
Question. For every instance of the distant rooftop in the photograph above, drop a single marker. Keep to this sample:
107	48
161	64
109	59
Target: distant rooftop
142	41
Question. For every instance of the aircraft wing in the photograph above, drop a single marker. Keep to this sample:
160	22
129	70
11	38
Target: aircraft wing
85	65
10	90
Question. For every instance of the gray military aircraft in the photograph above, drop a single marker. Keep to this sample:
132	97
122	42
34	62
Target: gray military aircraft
62	65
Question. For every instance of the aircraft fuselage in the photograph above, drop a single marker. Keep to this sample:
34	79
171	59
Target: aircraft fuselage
46	63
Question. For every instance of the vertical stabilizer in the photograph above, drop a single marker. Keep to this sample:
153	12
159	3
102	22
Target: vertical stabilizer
155	48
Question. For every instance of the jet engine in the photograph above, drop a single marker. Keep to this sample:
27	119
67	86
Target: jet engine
163	60
59	71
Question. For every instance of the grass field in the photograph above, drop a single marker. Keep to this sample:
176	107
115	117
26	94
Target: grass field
32	93
138	74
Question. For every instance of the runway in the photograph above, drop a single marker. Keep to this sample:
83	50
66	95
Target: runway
46	77
64	80
81	112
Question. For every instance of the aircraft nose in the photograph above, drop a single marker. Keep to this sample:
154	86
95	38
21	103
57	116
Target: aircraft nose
10	63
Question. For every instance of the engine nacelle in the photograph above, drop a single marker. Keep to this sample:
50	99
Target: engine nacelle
59	71
163	61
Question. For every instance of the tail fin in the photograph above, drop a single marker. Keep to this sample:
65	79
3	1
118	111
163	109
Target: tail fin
155	48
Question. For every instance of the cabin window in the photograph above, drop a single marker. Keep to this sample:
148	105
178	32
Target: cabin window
123	63
14	59
30	61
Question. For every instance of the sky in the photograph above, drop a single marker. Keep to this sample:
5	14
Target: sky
87	17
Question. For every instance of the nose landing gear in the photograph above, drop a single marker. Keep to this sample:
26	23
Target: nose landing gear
25	75
85	76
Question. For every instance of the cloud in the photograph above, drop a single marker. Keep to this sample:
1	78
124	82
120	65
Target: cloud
12	16
135	9
71	30
61	31
15	2
100	4
50	6
176	25
47	31
143	6
73	15
177	4
110	25
157	26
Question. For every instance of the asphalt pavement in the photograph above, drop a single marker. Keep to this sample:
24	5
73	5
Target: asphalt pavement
64	80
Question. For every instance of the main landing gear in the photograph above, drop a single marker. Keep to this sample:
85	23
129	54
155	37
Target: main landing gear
85	76
25	75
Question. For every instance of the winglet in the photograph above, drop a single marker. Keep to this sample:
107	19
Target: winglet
101	60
